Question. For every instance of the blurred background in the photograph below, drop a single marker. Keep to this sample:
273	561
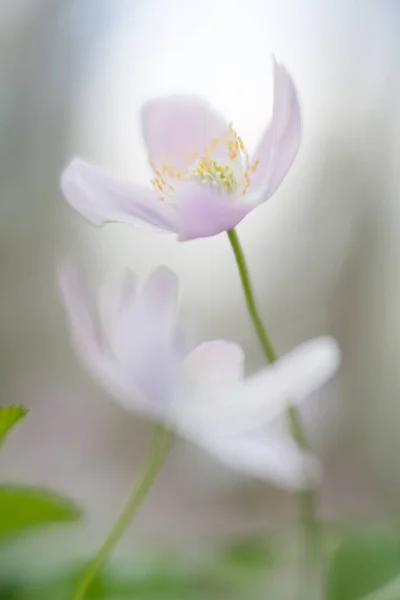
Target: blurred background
324	251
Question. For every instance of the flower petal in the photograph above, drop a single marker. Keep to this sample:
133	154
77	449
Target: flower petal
177	126
144	340
211	369
292	379
95	352
117	294
204	213
272	457
160	298
85	332
101	198
246	405
280	143
213	365
306	368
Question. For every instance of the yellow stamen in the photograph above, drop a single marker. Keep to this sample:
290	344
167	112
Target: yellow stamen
206	169
254	167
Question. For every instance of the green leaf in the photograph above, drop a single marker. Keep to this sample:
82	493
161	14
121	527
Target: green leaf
248	554
390	591
22	507
9	417
362	565
150	586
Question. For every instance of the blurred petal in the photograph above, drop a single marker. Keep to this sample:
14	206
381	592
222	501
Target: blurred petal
280	143
306	368
213	365
261	398
144	339
160	299
117	294
95	352
175	127
271	457
211	368
203	213
101	198
85	332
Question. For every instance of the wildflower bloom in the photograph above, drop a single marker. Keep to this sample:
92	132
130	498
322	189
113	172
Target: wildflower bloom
204	181
137	352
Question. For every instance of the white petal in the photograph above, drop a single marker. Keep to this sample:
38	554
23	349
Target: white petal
291	379
102	198
281	141
210	368
85	331
274	458
160	298
240	406
213	365
306	368
144	339
117	293
177	126
94	350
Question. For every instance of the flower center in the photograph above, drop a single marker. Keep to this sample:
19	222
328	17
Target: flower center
223	165
211	172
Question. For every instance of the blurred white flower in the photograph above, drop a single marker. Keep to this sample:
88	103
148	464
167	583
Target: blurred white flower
136	351
204	182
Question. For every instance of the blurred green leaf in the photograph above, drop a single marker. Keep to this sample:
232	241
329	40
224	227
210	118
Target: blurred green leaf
8	593
9	417
232	571
362	565
253	553
150	586
22	507
390	591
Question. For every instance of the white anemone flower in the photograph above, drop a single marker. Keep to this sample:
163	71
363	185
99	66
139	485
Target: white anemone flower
136	351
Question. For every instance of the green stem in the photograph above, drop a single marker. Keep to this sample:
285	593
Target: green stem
306	497
159	448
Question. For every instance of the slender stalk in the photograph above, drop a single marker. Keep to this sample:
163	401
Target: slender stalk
159	448
306	497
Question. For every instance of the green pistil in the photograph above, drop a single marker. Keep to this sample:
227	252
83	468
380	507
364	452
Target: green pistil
213	173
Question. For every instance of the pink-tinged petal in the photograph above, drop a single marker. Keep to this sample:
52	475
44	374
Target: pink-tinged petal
308	367
292	379
160	298
102	198
176	127
144	339
214	365
85	331
94	351
204	213
212	370
150	318
118	292
272	457
247	405
280	143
